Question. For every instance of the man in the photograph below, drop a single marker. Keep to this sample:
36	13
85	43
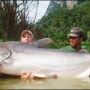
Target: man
76	36
27	36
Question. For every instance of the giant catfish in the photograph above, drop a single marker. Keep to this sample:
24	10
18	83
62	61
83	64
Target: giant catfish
16	57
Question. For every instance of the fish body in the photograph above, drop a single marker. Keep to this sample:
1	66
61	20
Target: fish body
18	57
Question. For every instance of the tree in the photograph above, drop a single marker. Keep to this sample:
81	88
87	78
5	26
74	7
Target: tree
13	18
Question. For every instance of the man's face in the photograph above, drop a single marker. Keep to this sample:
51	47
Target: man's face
75	41
26	38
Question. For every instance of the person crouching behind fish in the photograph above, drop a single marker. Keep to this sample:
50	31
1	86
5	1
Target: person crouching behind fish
76	37
27	36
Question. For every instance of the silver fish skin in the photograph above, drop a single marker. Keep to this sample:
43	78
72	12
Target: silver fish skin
16	57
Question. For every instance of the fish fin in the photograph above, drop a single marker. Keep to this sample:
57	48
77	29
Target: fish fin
43	42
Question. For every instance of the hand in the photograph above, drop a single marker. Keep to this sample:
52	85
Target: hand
26	75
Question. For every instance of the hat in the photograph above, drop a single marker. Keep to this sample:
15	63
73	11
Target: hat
26	31
76	31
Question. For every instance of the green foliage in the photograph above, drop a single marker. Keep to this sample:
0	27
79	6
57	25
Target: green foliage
1	40
86	45
58	24
88	36
12	19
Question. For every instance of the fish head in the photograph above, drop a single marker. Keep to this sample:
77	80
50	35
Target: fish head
5	53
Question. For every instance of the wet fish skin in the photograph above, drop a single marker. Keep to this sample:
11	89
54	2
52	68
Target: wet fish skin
27	57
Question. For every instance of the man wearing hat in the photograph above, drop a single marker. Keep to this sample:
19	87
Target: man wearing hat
27	36
76	36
